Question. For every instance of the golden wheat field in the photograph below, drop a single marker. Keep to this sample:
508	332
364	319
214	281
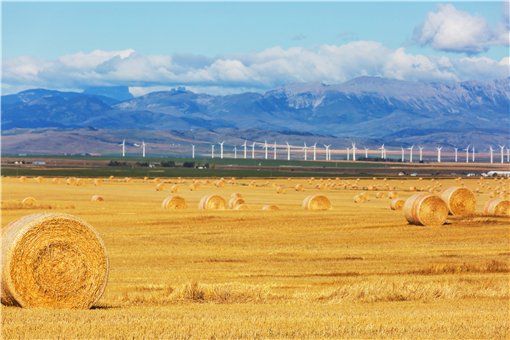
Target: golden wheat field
358	270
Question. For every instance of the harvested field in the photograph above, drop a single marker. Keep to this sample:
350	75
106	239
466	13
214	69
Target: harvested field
355	271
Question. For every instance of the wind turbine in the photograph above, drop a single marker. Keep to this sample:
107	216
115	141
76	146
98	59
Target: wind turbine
507	155
411	154
467	154
490	147
274	148
438	154
502	153
288	151
212	150
244	149
143	148
473	153
253	151
314	151
366	152
305	148
221	148
327	151
265	147
235	151
348	154
421	153
383	153
193	150
456	154
353	151
123	148
403	154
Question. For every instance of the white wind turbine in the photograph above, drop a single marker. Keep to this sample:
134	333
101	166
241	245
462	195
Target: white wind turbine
383	152
265	147
456	154
274	148
348	156
438	154
353	151
193	151
143	148
490	148
473	153
366	152
421	153
253	151
327	151
212	150
123	148
244	149
221	148
235	151
306	149
411	154
467	154
502	153
314	148
288	151
403	154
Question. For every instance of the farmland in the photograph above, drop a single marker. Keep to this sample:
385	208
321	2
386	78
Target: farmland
356	271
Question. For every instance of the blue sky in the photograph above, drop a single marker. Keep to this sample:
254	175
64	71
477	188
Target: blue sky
231	47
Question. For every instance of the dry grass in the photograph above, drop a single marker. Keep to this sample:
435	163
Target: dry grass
356	271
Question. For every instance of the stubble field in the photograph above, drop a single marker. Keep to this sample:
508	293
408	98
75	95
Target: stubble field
356	271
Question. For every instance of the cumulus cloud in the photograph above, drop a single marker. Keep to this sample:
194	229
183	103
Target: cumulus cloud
240	72
452	30
299	37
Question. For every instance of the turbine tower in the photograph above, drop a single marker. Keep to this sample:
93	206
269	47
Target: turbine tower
143	148
383	153
366	152
274	148
353	151
265	147
467	154
490	148
421	153
123	148
502	153
253	151
193	151
221	149
411	154
438	154
212	150
507	155
403	154
288	151
314	148
473	153
244	149
327	151
306	149
456	154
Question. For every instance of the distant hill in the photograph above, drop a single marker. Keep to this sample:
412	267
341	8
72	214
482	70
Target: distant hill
119	93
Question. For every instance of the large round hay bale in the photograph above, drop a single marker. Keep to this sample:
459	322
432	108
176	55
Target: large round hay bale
193	187
497	206
299	187
460	201
56	181
97	198
174	202
175	189
29	201
270	207
380	194
157	180
80	182
98	182
235	202
71	181
359	199
220	184
39	179
316	202
425	209
280	190
242	207
236	195
397	204
393	195
160	187
23	179
212	202
52	260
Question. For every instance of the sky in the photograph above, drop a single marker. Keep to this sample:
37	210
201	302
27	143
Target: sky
222	48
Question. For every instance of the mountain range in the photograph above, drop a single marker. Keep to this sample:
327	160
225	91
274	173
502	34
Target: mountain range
366	107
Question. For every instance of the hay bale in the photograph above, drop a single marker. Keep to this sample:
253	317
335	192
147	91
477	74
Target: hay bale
220	184
425	209
497	206
80	182
157	180
97	198
175	189
39	179
252	185
174	202
460	201
129	180
412	189
242	207
321	186
56	181
270	207
145	178
380	195
289	179
112	177
98	182
365	196
235	202
316	202
299	187
52	260
212	202
432	190
23	179
71	181
236	195
161	187
193	187
359	199
29	201
397	204
275	185
280	190
393	195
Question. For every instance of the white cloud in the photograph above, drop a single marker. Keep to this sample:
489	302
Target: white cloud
234	73
453	30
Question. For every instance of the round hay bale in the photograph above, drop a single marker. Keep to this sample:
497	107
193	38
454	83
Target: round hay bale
365	196
379	195
52	260
161	187
252	185
56	181
289	179
425	209
71	181
174	202
212	202
359	199
280	190
270	207
316	202
497	206
242	207
321	186
175	189
503	196
97	198
129	180
145	178
235	202
98	182
393	194
460	201
397	204
432	190
299	187
157	180
275	185
23	179
236	195
80	182
193	187
493	194
39	179
29	201
412	189
112	177
220	184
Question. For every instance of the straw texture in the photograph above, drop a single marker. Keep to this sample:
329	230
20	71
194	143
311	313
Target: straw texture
280	190
29	201
393	195
497	206
212	202
397	204
160	187
52	260
242	207
316	202
97	198
176	189
39	179
236	195
80	182
425	209
174	202
98	182
299	187
23	179
56	181
270	207
460	201
235	202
